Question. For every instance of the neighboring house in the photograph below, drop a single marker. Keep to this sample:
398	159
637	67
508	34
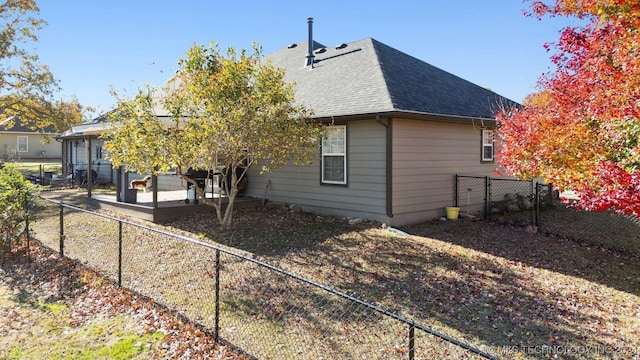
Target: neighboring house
401	130
22	143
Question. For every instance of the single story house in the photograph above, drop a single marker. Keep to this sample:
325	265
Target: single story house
402	130
19	142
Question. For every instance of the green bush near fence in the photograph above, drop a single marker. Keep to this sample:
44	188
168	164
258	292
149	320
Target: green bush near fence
15	193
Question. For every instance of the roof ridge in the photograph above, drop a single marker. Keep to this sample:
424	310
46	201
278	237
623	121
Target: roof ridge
437	67
374	44
416	85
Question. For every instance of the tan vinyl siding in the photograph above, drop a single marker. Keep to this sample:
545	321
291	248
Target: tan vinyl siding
426	157
36	148
362	196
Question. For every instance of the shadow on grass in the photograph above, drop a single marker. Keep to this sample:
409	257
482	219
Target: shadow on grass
469	296
482	292
564	256
22	274
266	231
289	318
478	282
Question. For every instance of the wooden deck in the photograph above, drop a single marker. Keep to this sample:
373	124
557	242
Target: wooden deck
170	204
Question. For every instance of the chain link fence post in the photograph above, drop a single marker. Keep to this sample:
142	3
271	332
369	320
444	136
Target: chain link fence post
487	197
532	198
457	185
61	229
26	225
217	303
537	206
412	340
119	253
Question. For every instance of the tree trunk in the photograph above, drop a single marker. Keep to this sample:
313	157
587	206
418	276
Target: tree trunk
228	213
224	218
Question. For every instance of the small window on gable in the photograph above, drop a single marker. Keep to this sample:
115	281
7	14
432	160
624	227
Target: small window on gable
334	155
487	145
23	144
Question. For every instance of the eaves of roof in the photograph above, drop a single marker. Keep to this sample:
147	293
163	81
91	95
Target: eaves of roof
408	115
84	130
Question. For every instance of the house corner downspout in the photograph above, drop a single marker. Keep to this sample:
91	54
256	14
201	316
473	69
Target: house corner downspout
388	164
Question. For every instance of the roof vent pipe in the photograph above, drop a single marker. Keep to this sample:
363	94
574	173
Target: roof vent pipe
310	44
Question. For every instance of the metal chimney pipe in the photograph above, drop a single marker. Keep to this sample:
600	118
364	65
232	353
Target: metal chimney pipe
310	44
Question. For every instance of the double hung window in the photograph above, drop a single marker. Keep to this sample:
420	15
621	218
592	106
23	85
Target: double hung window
23	144
334	155
487	145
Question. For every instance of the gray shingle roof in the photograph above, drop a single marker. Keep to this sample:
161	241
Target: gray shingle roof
18	126
368	77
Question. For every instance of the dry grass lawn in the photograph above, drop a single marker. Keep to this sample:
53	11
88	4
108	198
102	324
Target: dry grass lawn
496	287
52	308
505	291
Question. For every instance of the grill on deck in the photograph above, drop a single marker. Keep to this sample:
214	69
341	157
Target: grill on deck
224	183
200	177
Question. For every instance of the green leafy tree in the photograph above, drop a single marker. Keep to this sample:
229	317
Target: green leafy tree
15	194
27	88
226	113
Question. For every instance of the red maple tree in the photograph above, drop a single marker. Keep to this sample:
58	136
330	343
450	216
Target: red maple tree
582	130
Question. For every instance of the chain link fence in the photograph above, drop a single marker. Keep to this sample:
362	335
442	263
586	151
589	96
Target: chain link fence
527	203
263	311
53	175
607	230
516	201
45	174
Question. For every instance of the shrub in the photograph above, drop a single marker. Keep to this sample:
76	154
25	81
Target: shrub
15	195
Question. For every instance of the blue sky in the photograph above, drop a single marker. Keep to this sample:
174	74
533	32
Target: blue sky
92	46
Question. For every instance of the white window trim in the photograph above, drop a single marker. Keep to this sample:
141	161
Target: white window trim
487	135
26	144
344	157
